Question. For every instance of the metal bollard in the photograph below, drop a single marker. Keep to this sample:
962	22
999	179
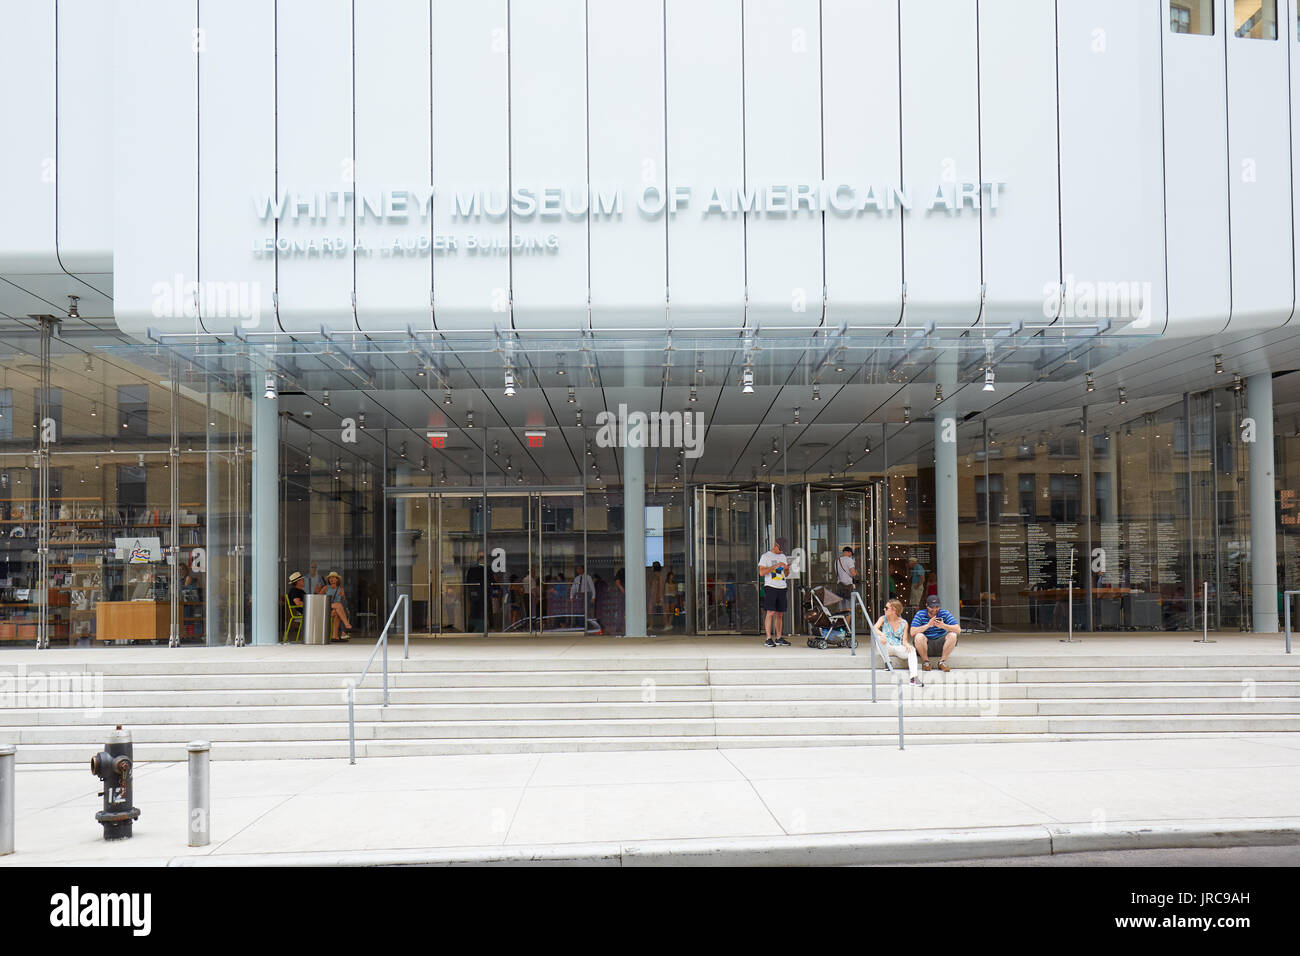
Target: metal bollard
200	818
6	799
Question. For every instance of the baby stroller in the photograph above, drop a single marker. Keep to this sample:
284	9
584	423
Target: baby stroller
827	619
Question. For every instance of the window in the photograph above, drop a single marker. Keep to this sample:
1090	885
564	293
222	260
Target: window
56	411
1255	19
6	413
988	499
1067	497
133	410
1028	500
1192	16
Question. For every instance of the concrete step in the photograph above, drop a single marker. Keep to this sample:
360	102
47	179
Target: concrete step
77	755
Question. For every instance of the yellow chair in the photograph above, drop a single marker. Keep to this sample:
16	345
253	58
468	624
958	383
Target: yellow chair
294	616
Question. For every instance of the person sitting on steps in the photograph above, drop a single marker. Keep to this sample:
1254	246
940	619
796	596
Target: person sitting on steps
940	630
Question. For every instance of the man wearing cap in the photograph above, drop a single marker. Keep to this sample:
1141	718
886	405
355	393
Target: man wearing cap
940	630
774	566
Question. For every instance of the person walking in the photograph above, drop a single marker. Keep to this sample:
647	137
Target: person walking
917	572
774	567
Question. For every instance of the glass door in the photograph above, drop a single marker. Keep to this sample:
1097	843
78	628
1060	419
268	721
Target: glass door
731	525
830	518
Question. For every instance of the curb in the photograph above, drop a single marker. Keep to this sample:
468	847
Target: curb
846	849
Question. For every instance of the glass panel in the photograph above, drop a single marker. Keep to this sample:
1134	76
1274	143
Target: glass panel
1192	16
1255	19
554	601
412	537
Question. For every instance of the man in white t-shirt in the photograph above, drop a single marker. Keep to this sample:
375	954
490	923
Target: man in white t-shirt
774	566
846	573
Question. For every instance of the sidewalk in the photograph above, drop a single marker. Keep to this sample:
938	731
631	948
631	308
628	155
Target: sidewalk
783	805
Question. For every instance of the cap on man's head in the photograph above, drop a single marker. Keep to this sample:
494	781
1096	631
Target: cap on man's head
296	576
933	601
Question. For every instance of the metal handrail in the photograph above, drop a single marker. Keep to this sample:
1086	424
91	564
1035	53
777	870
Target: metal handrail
1286	604
403	600
877	639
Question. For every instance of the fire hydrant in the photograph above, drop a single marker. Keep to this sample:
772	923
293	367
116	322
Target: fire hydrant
113	767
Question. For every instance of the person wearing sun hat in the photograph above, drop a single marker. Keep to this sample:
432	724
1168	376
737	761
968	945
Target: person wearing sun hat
297	588
335	595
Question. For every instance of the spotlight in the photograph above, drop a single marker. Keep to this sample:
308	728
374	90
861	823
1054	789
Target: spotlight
796	416
442	477
776	448
520	479
402	451
424	463
326	398
817	393
469	419
572	397
1237	383
90	365
1218	363
361	421
907	414
988	380
938	393
509	466
1090	385
695	395
446	397
866	449
510	383
94	409
270	385
559	364
1123	395
577	417
747	378
72	307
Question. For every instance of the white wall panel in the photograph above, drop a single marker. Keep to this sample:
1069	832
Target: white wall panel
470	152
1112	196
237	162
85	180
27	159
393	114
864	250
783	148
1290	32
625	52
155	162
1260	181
1196	179
548	151
706	257
940	149
314	157
1021	237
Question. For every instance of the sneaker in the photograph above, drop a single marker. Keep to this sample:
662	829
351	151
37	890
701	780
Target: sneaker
925	665
769	643
782	640
943	666
916	681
